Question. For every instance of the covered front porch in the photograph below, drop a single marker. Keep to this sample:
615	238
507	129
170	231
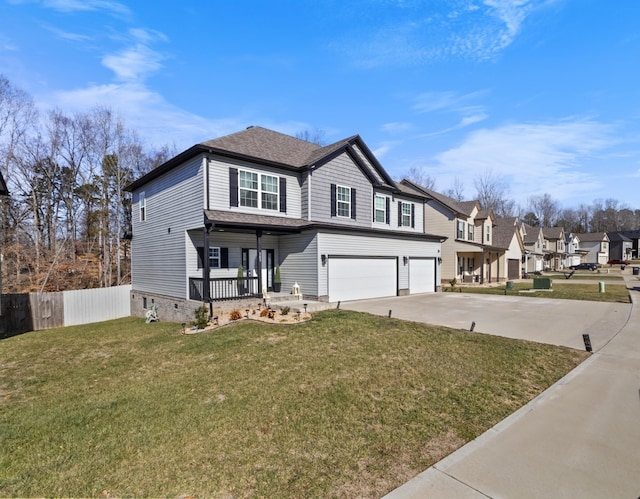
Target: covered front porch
243	256
481	266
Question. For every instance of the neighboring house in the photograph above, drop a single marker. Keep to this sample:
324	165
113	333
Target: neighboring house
634	235
508	234
469	253
574	254
534	248
554	248
620	246
330	217
596	246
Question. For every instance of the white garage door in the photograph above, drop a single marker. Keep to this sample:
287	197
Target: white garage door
422	275
361	278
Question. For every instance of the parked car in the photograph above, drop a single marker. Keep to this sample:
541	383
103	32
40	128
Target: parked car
619	262
585	266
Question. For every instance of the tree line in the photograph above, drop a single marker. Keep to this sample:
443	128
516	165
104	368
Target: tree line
66	221
492	192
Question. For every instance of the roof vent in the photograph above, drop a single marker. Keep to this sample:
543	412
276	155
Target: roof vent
250	126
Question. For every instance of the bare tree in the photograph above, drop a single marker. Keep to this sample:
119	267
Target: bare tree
492	194
545	209
315	136
456	191
417	175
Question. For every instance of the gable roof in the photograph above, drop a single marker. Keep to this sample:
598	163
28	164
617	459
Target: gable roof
618	236
504	230
271	148
553	232
459	207
531	233
592	237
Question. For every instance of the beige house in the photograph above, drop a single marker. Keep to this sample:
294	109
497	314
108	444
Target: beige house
508	234
469	253
534	248
554	248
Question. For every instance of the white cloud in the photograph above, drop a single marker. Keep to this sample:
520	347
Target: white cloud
133	63
396	127
556	158
69	6
432	31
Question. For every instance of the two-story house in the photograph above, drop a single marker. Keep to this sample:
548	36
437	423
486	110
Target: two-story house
469	253
215	221
508	234
620	246
595	245
574	254
534	249
554	247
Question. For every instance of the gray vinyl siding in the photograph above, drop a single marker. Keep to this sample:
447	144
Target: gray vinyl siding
219	187
371	168
174	204
340	171
368	246
305	181
299	262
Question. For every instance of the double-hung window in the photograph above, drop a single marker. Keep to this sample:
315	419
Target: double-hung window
406	214
470	232
343	201
460	233
258	190
380	209
489	234
214	258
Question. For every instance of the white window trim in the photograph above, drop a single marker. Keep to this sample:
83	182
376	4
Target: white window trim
213	258
460	231
383	210
259	191
344	203
142	202
406	216
470	229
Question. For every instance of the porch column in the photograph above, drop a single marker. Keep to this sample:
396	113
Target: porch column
259	257
206	294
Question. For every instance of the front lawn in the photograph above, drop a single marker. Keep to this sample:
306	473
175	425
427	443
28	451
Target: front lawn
347	404
616	293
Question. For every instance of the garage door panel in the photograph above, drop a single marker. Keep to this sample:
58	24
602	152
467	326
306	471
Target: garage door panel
422	275
362	278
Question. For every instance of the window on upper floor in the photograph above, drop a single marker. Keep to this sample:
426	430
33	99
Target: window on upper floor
381	209
252	189
460	233
343	201
142	201
470	232
406	214
488	234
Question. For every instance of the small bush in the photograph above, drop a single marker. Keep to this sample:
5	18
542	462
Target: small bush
285	310
235	315
202	317
264	312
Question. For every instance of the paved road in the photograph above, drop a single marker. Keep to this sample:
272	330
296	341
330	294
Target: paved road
580	438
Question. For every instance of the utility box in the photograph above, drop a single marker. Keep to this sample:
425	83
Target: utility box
510	285
636	270
542	283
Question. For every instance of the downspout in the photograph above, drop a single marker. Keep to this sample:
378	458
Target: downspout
259	258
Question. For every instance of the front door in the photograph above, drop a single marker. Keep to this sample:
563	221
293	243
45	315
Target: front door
251	264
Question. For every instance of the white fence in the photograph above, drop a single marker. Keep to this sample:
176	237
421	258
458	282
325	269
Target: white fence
84	306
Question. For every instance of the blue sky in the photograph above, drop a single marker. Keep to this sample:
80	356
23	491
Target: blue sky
541	93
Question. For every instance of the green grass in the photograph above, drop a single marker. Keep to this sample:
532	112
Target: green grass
591	276
615	293
348	404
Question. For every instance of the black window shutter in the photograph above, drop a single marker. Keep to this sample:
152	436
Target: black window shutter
333	200
399	213
413	215
233	186
353	203
283	194
374	206
388	211
200	251
224	258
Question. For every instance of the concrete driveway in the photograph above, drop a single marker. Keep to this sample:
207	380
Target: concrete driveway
579	438
545	320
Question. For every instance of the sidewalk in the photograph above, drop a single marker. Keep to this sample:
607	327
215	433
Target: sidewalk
579	438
